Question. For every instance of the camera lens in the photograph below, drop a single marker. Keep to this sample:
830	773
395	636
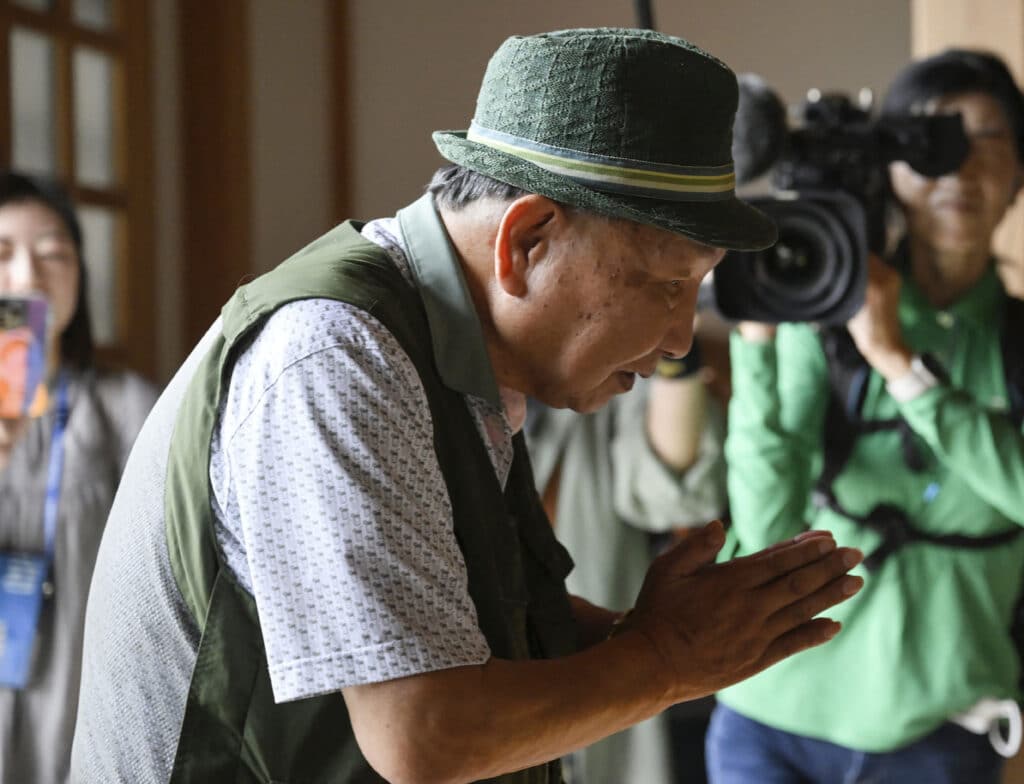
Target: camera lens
805	268
815	272
793	263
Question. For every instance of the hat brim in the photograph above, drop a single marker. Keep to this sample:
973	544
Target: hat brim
727	223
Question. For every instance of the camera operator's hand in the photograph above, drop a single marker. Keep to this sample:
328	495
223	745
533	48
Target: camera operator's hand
876	326
756	332
715	624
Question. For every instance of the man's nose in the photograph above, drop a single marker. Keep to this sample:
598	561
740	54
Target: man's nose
18	272
679	338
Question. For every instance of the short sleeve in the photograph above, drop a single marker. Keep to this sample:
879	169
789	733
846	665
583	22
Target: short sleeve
331	492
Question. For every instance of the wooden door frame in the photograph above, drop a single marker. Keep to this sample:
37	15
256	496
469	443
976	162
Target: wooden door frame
128	44
216	157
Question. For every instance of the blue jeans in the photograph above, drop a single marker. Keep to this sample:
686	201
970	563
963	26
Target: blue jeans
743	751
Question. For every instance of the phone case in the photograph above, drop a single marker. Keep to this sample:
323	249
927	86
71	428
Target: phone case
23	324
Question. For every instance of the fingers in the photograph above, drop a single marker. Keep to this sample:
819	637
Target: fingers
697	550
805	580
805	536
804	609
780	559
807	635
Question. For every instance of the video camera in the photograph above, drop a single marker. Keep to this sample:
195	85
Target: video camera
829	192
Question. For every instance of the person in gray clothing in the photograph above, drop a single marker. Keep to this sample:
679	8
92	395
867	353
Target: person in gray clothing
93	418
621	485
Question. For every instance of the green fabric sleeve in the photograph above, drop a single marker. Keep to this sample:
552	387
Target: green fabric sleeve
979	445
779	394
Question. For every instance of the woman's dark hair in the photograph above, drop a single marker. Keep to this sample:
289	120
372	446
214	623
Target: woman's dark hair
952	72
76	346
454	186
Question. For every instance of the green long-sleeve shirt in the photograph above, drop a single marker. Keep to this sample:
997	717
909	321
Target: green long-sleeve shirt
927	635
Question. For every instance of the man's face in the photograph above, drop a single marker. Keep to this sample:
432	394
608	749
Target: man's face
958	212
610	298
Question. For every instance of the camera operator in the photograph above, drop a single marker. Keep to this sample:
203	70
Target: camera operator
926	666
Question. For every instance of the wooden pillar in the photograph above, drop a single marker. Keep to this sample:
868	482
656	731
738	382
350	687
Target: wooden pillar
215	115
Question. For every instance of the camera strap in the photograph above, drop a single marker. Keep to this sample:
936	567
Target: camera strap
1013	357
848	376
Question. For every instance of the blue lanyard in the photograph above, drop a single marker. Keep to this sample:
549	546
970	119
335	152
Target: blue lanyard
56	468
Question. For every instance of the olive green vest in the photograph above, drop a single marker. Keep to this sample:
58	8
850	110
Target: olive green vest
232	729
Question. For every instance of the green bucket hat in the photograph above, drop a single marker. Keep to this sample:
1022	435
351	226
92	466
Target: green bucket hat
627	123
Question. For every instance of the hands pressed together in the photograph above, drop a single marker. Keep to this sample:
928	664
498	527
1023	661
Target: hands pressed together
713	625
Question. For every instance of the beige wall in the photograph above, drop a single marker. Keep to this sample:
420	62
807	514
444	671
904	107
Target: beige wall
417	65
290	141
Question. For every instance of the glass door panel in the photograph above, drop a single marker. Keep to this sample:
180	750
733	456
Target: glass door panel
94	118
101	236
33	102
35	5
94	14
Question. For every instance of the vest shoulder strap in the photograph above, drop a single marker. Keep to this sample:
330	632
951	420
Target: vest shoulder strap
1012	347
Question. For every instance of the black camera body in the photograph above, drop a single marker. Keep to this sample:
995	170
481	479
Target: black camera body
829	198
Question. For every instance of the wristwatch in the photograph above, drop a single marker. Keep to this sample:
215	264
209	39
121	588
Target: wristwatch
680	367
915	382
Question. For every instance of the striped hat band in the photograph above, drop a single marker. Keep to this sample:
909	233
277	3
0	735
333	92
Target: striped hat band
616	175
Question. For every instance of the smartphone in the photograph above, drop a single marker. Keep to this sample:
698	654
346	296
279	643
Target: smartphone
23	325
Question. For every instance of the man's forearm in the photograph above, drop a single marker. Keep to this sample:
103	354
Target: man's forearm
467	723
593	623
471	723
676	416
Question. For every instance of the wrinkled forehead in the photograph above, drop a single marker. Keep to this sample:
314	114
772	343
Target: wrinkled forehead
661	252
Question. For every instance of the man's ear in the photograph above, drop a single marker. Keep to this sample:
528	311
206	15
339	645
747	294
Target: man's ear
524	234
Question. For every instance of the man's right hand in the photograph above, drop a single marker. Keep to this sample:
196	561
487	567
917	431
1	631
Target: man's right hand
715	624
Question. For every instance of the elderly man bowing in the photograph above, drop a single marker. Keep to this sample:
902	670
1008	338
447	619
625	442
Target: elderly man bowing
327	561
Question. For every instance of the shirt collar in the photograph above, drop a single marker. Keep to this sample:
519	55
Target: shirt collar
976	307
458	340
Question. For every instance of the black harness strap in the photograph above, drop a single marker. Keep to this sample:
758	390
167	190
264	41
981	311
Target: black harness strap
1012	345
848	377
897	530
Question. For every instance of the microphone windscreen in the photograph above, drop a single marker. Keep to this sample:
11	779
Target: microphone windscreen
760	130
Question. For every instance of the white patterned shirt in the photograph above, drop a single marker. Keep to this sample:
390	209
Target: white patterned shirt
330	506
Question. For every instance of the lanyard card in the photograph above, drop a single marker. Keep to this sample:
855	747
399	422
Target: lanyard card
23	325
22	577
